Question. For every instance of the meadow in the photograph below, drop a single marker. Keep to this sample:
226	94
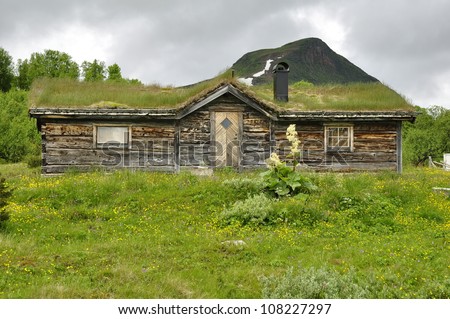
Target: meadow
158	235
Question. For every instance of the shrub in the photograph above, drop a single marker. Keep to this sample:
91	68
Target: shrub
312	283
19	134
255	210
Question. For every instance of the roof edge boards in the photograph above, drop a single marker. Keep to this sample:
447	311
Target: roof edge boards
197	105
228	88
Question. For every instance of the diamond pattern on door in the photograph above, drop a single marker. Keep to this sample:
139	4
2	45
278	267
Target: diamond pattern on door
226	123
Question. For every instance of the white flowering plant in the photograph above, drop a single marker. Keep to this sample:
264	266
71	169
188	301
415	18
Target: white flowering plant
282	180
292	137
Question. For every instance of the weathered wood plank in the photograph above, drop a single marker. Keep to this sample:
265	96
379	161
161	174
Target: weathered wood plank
67	129
80	156
69	141
194	137
252	147
282	127
110	157
381	136
153	132
336	167
257	137
153	145
305	144
59	169
256	122
301	134
375	127
369	147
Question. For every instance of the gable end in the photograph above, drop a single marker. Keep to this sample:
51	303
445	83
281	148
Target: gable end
220	92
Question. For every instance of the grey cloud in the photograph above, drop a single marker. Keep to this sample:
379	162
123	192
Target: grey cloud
403	43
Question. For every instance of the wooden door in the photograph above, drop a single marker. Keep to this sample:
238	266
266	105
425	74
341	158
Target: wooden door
227	138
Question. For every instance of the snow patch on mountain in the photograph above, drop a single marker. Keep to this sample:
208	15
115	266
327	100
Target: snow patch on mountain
249	81
266	68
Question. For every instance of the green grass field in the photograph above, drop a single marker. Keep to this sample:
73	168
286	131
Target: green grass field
156	235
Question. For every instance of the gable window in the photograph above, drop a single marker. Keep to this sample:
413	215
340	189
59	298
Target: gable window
115	136
339	138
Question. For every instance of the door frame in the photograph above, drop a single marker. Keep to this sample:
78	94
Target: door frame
222	109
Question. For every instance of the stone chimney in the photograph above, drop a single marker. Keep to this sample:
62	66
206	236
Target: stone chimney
280	82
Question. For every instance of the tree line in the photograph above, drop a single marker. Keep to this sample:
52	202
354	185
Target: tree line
19	139
428	136
53	64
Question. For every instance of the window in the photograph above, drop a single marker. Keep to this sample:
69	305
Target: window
338	137
112	136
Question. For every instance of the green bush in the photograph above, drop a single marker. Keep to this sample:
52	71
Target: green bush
428	136
255	210
312	283
19	134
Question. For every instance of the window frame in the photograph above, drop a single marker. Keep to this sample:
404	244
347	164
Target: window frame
330	149
99	145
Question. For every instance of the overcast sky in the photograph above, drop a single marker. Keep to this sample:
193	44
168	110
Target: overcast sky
403	43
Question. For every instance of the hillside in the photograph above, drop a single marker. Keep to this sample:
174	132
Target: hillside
309	59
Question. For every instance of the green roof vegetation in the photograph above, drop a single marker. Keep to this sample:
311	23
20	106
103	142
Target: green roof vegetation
304	96
67	93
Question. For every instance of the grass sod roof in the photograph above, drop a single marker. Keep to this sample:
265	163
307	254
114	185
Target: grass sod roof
66	93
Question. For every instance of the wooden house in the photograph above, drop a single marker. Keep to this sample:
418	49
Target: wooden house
225	124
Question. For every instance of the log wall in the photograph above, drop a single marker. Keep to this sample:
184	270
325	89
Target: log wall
375	146
72	146
171	144
194	139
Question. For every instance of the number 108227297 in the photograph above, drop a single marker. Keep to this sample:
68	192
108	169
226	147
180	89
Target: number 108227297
295	309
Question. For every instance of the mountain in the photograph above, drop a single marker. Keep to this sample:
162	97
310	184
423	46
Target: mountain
309	59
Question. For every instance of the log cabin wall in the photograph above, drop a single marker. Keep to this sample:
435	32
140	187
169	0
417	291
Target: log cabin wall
67	145
194	139
311	136
376	146
153	146
256	139
72	145
162	145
